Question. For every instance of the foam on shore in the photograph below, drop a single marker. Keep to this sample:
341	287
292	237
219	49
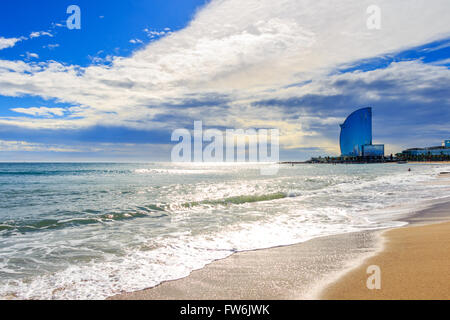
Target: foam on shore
300	271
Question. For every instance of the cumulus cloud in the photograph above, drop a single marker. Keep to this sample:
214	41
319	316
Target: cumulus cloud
8	42
41	111
37	34
11	42
135	41
152	34
250	53
31	55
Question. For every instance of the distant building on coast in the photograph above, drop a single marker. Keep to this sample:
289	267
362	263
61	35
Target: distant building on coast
356	145
356	141
430	153
356	136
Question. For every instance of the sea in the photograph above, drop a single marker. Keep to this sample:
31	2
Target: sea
92	230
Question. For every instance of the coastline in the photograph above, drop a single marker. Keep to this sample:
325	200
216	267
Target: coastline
301	271
288	272
414	265
328	267
413	260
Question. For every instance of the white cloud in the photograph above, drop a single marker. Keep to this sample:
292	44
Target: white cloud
135	41
6	145
99	60
31	55
155	34
245	51
59	25
38	34
122	151
9	42
41	111
51	46
442	62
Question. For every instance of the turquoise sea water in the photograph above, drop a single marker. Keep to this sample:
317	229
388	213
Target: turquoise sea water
88	231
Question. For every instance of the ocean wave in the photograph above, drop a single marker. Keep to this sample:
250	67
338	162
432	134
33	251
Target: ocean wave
238	200
177	171
60	172
150	210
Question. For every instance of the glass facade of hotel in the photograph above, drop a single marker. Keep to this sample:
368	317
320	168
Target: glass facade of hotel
373	150
356	132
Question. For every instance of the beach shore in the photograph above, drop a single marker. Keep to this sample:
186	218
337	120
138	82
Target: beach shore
413	260
414	265
289	272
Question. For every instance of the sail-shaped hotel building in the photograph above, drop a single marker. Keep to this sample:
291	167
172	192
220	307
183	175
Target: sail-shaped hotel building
356	136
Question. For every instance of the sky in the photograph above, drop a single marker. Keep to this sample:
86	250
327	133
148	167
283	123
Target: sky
136	70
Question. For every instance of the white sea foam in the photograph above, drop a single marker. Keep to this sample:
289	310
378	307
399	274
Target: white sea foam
176	171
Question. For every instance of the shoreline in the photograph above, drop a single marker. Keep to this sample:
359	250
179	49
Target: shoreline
317	264
238	277
305	270
413	265
351	283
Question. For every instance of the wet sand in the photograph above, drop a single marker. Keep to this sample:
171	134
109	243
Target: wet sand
290	272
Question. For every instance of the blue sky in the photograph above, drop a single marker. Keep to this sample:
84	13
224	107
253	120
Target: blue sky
107	26
136	70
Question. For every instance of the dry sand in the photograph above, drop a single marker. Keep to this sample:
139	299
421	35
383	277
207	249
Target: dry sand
414	264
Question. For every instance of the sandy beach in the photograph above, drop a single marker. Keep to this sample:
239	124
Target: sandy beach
290	272
414	265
